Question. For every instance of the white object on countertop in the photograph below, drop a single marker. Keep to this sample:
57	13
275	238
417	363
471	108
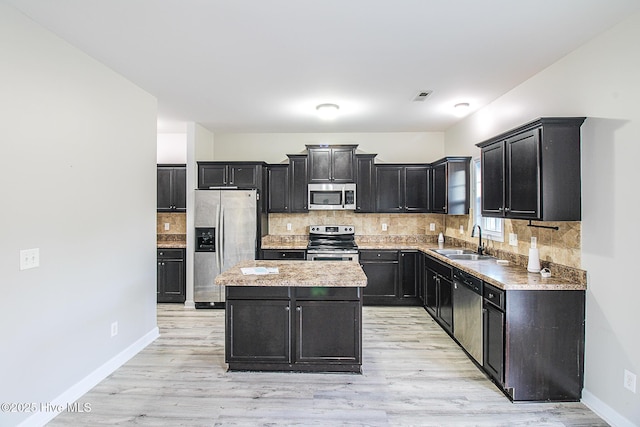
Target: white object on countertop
545	272
534	261
502	261
440	241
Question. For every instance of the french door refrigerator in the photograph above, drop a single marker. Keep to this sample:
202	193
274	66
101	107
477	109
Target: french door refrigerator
226	227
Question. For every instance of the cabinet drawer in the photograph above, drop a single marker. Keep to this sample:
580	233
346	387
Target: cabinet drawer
171	253
257	292
287	254
494	296
379	256
328	293
438	267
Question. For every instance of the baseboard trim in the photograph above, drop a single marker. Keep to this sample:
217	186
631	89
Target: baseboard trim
76	391
605	411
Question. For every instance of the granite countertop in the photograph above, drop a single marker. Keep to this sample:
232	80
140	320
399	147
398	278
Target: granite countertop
507	277
296	273
169	245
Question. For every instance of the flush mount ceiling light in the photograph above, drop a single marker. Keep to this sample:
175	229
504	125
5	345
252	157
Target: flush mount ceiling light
461	108
327	111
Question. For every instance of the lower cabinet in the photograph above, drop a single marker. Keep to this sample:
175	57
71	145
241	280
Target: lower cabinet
438	295
314	329
393	277
534	343
171	275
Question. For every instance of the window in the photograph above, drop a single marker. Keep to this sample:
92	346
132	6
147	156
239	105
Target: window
492	228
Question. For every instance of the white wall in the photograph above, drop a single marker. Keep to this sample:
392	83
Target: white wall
600	81
78	150
172	148
274	147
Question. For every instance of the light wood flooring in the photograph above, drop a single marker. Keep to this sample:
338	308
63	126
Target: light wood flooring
414	374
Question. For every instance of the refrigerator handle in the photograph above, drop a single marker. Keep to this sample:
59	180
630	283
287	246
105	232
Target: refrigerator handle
221	251
218	231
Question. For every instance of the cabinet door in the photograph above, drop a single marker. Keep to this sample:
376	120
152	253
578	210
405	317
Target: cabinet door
431	291
494	342
439	186
164	188
416	189
342	165
410	268
278	184
382	278
365	199
319	165
298	184
445	303
212	175
523	181
179	188
389	189
173	289
492	165
244	176
258	331
328	331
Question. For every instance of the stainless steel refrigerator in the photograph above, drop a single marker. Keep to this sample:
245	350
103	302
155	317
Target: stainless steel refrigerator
227	228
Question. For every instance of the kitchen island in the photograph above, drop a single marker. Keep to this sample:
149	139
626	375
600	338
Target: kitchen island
307	317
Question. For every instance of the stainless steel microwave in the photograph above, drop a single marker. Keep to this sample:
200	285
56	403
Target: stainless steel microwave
332	196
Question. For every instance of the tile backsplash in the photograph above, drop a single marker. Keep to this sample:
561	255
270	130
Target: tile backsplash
177	226
561	247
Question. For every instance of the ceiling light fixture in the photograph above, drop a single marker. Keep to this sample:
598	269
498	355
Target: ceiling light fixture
327	111
461	108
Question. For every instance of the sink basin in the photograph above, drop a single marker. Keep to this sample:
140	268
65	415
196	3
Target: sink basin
447	252
468	257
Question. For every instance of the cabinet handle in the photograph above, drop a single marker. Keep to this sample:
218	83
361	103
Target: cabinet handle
298	308
286	308
491	295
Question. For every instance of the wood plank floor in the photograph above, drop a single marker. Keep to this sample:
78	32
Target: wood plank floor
413	375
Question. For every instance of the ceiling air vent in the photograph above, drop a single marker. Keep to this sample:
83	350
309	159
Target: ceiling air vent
422	95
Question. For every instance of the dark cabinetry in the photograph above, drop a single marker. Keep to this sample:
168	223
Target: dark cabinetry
294	329
533	172
334	163
531	336
287	186
402	188
365	181
287	254
171	275
450	186
438	298
392	276
172	188
245	175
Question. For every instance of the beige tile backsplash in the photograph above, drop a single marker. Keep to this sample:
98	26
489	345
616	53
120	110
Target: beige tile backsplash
561	247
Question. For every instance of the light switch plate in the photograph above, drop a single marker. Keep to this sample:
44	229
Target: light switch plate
29	258
432	226
167	225
513	239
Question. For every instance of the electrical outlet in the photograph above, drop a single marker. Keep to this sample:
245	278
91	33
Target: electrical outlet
384	226
289	226
432	226
167	226
462	229
29	258
630	381
114	329
513	239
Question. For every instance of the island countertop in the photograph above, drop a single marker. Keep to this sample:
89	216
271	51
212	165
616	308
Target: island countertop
296	273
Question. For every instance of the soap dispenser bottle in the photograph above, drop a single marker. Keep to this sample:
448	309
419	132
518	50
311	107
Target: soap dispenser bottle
534	257
440	241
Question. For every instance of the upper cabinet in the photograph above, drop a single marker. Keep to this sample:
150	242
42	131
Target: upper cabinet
365	183
287	185
450	185
533	172
402	188
245	175
334	163
172	188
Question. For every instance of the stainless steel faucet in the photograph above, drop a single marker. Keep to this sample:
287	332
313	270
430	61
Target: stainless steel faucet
480	245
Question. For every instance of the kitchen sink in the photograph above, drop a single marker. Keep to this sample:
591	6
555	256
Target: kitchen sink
462	254
468	257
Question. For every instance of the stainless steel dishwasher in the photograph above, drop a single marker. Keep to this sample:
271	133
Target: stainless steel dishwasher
467	313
